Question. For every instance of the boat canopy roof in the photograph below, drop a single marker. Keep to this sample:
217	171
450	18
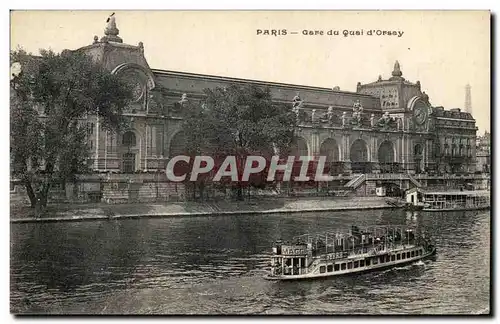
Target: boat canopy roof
459	193
373	230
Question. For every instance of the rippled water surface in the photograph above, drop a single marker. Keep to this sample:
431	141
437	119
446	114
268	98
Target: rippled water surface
215	265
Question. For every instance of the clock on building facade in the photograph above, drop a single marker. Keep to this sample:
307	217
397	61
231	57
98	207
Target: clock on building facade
420	113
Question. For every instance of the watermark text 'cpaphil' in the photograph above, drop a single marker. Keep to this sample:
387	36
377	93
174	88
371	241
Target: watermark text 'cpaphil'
299	169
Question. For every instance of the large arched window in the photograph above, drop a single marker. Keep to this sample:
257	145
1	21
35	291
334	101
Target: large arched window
359	157
129	139
386	157
330	149
359	151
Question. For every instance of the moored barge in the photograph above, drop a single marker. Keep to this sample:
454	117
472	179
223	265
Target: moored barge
355	251
449	200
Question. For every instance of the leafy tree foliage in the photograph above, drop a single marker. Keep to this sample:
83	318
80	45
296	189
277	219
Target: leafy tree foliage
51	98
239	120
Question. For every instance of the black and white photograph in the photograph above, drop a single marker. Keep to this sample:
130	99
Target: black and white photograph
314	162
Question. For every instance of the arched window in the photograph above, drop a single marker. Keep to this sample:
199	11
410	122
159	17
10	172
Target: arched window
437	150
386	157
417	149
129	139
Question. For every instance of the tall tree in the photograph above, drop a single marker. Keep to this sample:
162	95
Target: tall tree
239	120
51	97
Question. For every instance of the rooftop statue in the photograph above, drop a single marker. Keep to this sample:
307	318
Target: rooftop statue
425	97
177	106
314	117
111	31
297	102
330	115
111	22
372	120
386	121
356	106
357	114
184	99
344	119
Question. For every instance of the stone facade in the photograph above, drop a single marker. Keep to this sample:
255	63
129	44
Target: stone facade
483	155
387	126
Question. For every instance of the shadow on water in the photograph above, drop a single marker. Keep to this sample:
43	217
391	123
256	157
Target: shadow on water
66	256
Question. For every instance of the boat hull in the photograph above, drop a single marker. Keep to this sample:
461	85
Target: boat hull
371	268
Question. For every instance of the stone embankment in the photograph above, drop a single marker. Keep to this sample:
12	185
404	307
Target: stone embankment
81	212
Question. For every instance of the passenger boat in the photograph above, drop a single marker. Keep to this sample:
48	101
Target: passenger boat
354	251
449	200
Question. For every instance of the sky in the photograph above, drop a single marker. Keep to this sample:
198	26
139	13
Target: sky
444	50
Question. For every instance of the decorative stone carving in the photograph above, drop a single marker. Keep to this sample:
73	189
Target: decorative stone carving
182	103
155	105
344	119
297	102
425	97
372	120
314	117
386	121
357	114
397	74
111	31
329	115
179	105
296	111
296	108
184	100
137	90
301	115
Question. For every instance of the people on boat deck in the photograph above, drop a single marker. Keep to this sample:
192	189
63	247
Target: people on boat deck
362	241
357	239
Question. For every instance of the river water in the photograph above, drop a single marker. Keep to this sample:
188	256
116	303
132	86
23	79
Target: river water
215	265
